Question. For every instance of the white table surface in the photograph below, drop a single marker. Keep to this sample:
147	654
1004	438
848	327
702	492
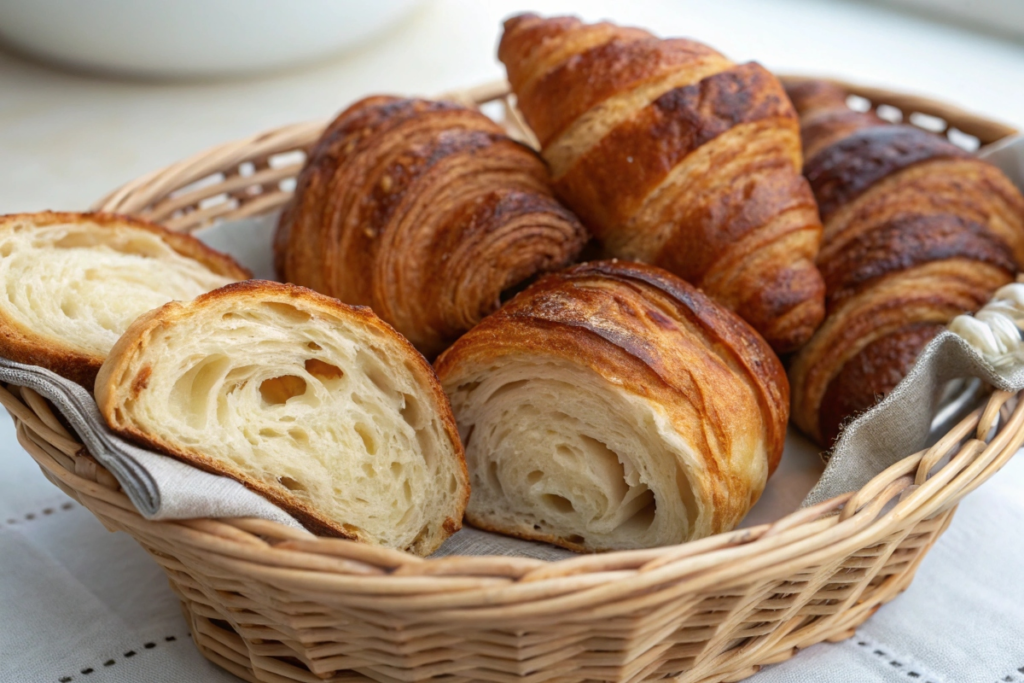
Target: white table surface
66	140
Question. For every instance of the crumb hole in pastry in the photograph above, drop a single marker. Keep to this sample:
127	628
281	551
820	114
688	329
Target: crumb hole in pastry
291	484
299	435
407	491
576	538
506	388
287	311
468	387
453	485
375	373
351	529
558	503
642	519
469	435
411	411
686	493
7	249
534	477
313	346
369	443
493	479
76	240
323	371
397	468
278	390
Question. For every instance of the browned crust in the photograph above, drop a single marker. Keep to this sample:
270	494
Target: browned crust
905	242
112	380
561	70
659	338
917	231
25	346
660	136
592	77
871	375
845	169
425	211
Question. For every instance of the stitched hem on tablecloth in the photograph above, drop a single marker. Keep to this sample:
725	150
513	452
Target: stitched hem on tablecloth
85	671
906	665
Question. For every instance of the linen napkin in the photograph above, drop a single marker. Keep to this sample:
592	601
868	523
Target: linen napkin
987	346
160	487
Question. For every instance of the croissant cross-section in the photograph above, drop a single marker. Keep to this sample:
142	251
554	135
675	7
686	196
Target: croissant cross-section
70	284
319	406
614	406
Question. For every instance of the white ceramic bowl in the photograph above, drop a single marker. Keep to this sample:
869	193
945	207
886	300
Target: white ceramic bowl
191	38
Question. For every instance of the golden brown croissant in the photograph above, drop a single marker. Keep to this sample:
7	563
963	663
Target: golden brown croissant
424	211
612	405
674	155
917	231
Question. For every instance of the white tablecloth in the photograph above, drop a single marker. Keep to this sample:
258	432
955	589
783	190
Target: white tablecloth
76	599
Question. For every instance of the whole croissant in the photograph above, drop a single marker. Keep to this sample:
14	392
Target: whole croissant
426	212
917	231
613	406
674	155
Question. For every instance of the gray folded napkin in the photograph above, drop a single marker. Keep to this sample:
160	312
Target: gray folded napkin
987	346
160	487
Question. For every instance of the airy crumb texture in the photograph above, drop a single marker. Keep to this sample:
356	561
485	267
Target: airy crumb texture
613	406
73	283
319	406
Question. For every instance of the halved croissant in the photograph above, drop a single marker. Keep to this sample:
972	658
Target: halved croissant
917	231
72	283
613	406
424	211
319	406
674	155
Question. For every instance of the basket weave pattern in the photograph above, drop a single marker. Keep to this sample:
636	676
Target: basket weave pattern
270	603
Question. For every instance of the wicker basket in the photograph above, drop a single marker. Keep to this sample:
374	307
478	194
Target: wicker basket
270	603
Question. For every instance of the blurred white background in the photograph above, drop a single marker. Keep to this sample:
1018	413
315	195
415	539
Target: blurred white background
66	139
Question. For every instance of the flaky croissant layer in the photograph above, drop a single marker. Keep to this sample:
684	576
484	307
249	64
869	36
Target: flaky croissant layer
674	155
614	406
318	406
71	284
426	212
917	231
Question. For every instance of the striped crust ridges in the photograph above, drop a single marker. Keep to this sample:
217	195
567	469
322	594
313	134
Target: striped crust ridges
916	231
425	211
674	155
